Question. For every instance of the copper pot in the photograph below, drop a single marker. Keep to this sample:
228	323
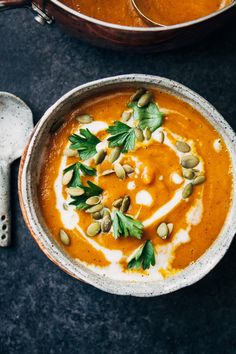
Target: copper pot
122	37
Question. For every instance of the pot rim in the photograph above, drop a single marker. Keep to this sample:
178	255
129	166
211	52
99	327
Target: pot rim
188	275
142	29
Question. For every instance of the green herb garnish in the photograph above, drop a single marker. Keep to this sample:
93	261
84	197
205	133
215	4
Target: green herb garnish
122	136
144	257
86	170
85	143
89	191
125	225
149	116
77	168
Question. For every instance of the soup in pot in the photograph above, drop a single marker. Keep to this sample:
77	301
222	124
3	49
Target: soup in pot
132	184
166	12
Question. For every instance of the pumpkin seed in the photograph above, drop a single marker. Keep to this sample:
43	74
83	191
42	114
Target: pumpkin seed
94	229
187	191
119	170
117	203
75	192
84	119
65	239
70	152
97	215
163	231
67	177
189	161
94	209
106	224
126	115
160	137
170	227
145	99
136	96
106	212
147	133
107	172
139	134
189	174
182	146
65	206
128	168
100	157
114	155
197	172
199	180
93	200
125	204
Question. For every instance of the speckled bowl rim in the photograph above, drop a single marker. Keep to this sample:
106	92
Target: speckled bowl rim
187	276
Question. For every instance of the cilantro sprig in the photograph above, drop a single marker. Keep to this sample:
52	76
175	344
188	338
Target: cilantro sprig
124	226
77	169
149	116
89	191
144	257
85	144
122	135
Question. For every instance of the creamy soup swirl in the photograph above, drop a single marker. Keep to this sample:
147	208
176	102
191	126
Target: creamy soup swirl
171	184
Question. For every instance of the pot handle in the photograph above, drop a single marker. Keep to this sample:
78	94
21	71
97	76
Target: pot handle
12	4
5	217
41	17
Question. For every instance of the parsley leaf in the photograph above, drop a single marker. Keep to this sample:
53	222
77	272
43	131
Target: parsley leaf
125	225
77	168
122	135
149	116
85	143
90	171
89	191
75	181
144	257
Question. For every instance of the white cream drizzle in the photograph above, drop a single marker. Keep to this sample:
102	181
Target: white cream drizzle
165	209
194	215
144	198
176	178
111	255
165	254
131	185
94	127
217	145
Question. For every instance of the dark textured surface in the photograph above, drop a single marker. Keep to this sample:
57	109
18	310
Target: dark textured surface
44	310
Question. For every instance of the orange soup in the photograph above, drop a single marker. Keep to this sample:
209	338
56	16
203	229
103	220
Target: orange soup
166	12
132	184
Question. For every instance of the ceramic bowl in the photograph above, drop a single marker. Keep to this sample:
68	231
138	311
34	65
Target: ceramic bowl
29	175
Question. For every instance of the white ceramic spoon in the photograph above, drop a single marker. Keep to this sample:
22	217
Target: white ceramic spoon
16	125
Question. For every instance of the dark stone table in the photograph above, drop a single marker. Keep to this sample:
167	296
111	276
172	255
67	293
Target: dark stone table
46	311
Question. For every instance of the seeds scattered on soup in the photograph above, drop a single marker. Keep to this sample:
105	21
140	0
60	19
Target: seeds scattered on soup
137	190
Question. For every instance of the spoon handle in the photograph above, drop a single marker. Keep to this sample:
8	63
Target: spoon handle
5	217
